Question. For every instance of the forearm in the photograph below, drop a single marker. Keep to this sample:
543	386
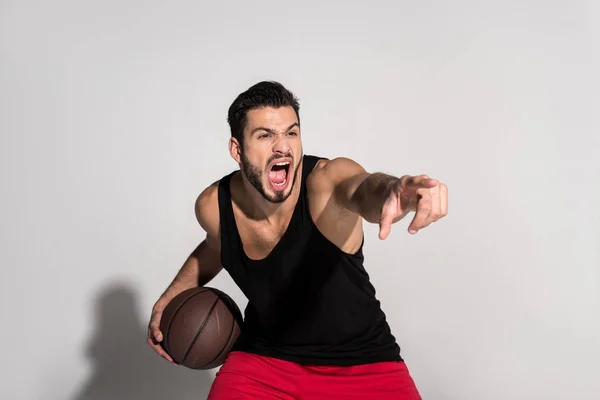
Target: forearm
370	195
187	276
200	268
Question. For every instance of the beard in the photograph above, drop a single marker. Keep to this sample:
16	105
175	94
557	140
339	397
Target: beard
255	174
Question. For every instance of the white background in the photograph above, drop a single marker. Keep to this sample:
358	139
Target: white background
113	119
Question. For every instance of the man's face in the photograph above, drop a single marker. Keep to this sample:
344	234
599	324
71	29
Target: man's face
272	151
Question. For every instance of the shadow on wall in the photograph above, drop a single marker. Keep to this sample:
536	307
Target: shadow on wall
123	365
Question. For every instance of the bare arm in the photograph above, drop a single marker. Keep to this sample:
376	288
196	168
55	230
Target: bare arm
204	263
385	199
357	190
200	267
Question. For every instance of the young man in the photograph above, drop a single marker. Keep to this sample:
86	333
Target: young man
288	229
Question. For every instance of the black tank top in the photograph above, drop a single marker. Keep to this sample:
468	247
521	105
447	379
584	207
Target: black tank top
308	301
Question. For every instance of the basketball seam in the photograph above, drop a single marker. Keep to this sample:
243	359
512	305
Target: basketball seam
201	328
226	343
168	341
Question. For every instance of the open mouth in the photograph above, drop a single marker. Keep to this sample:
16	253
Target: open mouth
279	174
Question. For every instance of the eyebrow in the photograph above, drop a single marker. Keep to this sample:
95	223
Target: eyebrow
261	128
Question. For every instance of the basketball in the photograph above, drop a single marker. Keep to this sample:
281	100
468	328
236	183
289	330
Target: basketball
199	327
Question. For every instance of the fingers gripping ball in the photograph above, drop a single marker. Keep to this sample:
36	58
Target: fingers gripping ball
200	326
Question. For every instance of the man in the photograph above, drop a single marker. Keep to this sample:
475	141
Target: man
288	229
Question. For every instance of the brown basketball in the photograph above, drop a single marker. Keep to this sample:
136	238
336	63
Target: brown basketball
199	327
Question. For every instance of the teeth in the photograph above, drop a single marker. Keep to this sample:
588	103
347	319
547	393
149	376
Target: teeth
281	164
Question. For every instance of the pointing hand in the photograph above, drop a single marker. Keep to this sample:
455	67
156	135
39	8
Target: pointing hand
426	196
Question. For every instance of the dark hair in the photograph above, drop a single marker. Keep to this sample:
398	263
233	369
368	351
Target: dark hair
263	94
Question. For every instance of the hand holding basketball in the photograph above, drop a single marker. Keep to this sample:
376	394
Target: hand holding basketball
155	336
426	196
195	328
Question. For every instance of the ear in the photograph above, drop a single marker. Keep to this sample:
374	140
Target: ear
235	150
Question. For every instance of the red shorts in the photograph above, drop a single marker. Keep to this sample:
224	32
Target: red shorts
249	376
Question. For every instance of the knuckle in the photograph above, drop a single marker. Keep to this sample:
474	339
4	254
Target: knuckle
157	309
425	193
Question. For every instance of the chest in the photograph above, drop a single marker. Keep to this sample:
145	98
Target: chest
260	238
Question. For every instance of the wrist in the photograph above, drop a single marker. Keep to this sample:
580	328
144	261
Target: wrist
381	188
173	291
390	183
372	195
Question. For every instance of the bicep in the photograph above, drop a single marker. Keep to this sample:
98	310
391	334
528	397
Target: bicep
345	177
208	253
208	257
206	210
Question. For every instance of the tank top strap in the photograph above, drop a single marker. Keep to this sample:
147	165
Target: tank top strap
232	252
303	209
230	245
309	164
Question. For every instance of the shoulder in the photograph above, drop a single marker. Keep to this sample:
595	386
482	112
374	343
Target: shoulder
207	209
329	173
330	213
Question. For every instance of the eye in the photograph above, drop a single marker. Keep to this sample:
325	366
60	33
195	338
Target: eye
292	133
264	135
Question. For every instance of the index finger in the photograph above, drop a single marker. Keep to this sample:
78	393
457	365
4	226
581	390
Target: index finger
421	181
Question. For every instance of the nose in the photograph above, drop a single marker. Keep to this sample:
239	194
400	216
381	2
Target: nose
281	145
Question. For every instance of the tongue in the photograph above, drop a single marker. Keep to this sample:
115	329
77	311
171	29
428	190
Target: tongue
277	176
